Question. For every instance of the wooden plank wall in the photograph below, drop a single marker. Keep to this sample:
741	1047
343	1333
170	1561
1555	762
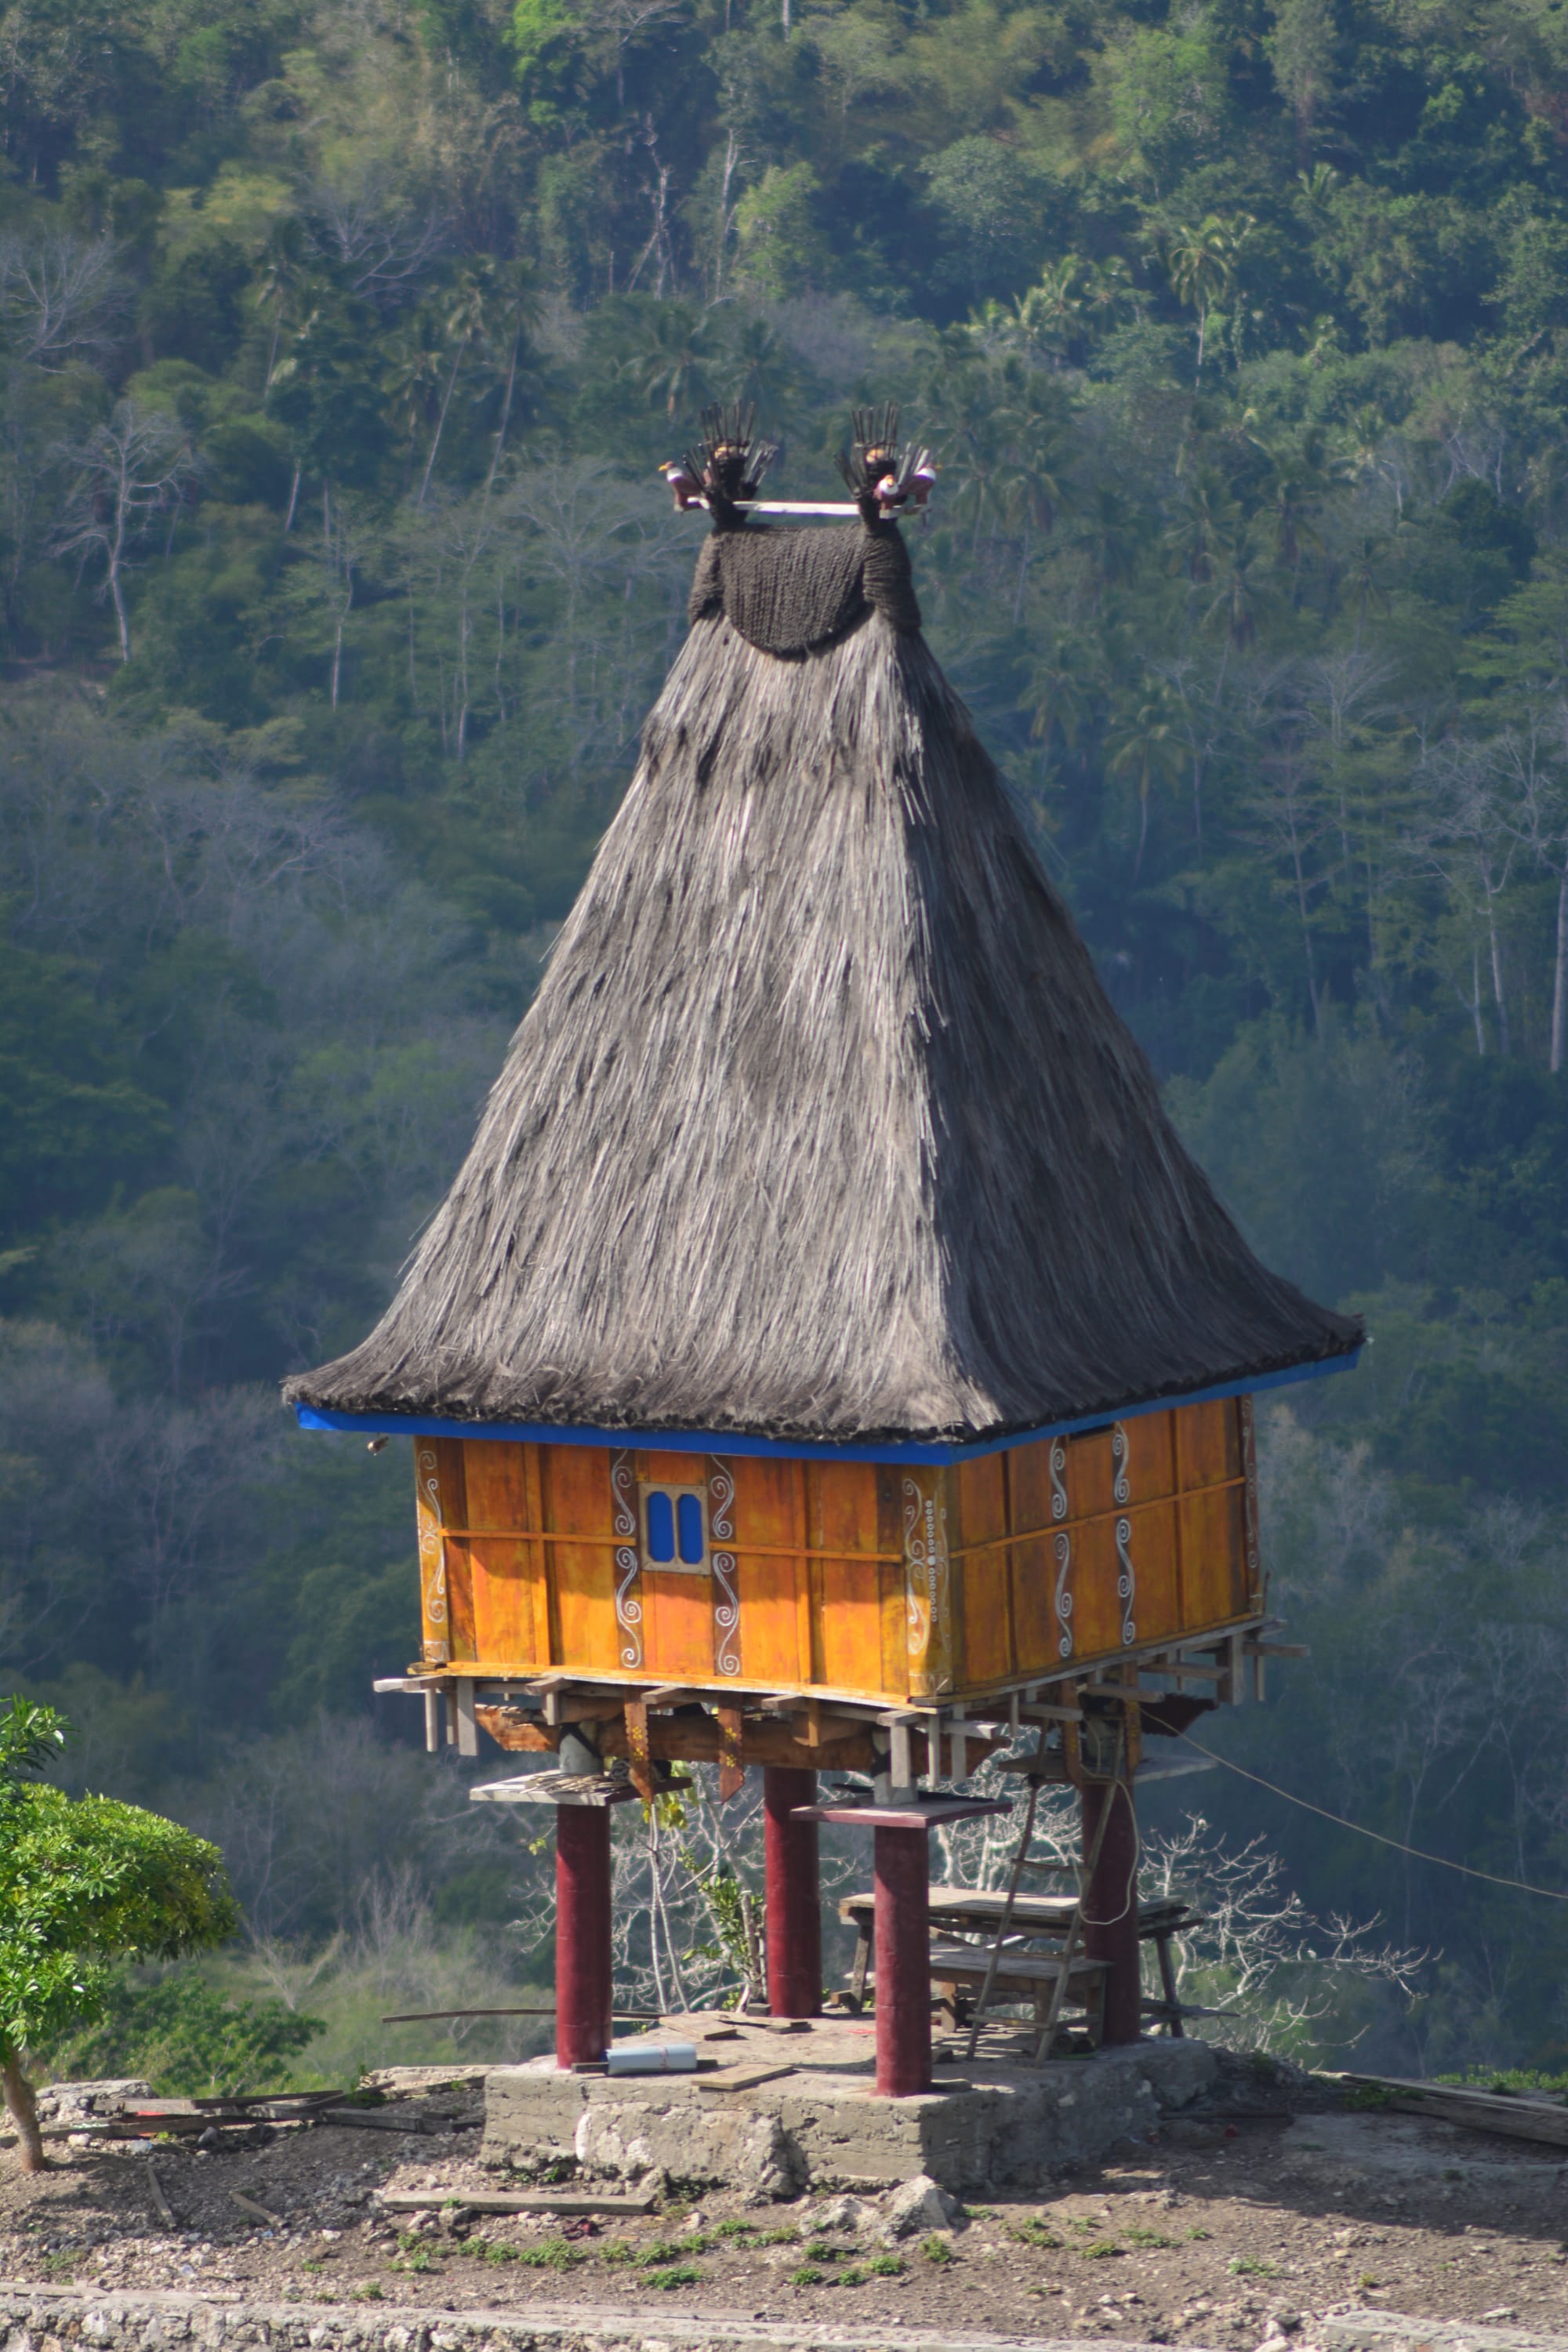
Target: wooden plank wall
861	1579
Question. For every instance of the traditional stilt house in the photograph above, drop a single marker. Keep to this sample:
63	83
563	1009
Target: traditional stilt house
827	1356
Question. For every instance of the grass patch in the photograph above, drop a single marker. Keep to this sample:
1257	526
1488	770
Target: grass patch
1512	2082
936	2250
806	2276
817	2252
617	2252
1243	2266
885	2266
735	2230
1033	2233
1102	2249
680	2274
1147	2237
789	2237
1197	2237
551	2255
670	2249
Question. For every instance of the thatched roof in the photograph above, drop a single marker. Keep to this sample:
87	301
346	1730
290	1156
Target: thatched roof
821	1126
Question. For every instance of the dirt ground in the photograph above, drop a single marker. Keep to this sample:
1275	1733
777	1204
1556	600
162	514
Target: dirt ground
1228	2228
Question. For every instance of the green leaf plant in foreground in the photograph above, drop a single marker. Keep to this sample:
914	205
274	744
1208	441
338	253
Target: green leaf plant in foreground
85	1881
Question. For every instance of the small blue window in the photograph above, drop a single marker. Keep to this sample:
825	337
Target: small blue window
661	1527
688	1521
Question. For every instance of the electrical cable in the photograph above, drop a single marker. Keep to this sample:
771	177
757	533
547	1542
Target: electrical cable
1521	1885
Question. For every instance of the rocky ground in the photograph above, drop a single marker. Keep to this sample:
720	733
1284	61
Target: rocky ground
1233	2226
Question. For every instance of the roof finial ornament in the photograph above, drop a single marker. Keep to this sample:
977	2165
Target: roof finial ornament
882	476
729	462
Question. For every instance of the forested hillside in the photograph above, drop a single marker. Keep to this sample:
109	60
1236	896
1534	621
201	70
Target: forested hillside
338	344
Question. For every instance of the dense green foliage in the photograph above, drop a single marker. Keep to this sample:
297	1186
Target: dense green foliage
337	348
186	2038
85	1882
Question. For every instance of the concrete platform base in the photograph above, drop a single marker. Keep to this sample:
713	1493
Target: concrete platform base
817	2119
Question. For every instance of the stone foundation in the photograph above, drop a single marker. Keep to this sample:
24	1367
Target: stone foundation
987	2124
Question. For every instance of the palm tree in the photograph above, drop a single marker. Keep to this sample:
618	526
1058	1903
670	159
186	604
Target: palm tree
1148	743
467	316
1201	263
1206	526
413	381
676	360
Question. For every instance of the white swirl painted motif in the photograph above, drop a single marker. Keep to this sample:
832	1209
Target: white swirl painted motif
1121	1489
1062	1542
1057	1462
628	1559
432	1548
1127	1580
726	1574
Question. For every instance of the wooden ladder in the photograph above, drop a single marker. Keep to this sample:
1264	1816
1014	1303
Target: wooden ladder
1082	1872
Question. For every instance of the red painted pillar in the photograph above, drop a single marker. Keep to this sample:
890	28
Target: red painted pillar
795	1903
581	1934
1110	1905
903	1963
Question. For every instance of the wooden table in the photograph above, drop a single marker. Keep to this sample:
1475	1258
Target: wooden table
1036	1921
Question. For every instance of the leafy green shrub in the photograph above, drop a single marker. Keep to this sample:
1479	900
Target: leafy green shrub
84	1882
682	2275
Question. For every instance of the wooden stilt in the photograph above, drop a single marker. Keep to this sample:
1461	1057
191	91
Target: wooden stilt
903	1962
1111	1902
581	1934
795	1903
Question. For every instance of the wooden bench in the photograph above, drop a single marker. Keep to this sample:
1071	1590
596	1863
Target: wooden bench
1027	1970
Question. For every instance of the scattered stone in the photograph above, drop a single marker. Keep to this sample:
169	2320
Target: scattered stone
842	2213
918	2205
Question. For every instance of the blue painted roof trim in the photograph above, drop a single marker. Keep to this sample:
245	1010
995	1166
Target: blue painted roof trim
726	1440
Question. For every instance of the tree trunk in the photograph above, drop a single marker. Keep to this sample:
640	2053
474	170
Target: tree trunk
23	2109
440	426
1498	997
1559	977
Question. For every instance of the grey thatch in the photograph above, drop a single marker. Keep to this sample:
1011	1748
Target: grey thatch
821	1126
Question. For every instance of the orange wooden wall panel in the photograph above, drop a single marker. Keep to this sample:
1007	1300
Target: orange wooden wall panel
983	1647
770	1511
895	1675
1036	1634
977	1514
507	1582
841	1515
1090	1474
977	1510
1214	1567
1155	1603
1096	1609
1208	1442
1151	1458
820	1558
577	1502
449	1474
1030	1490
678	1626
